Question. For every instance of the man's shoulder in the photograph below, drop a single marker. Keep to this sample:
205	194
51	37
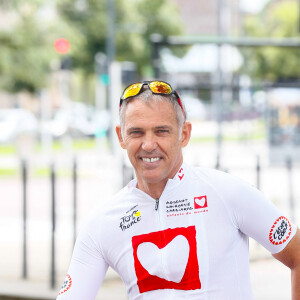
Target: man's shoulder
217	179
206	173
108	212
113	205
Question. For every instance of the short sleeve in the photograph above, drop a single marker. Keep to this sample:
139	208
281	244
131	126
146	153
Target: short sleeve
87	269
253	214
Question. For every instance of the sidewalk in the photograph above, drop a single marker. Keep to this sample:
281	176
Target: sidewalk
270	281
111	289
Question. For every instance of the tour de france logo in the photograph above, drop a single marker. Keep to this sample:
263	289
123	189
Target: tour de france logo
66	285
280	231
132	217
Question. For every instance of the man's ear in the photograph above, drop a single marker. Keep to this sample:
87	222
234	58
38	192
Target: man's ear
186	133
119	134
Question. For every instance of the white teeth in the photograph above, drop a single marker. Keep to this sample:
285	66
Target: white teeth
150	160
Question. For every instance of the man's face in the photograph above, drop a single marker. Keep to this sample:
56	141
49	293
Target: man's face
151	138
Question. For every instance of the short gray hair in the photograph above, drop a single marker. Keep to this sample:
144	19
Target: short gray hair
147	96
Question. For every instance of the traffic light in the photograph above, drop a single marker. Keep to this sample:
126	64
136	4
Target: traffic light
62	46
101	68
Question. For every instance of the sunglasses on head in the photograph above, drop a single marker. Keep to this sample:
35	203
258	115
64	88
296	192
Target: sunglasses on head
156	87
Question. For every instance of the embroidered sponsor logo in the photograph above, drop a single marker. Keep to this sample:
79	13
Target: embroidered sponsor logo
132	217
66	285
184	207
178	206
280	231
180	271
200	202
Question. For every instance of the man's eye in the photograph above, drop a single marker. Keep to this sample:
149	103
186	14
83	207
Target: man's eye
162	131
135	132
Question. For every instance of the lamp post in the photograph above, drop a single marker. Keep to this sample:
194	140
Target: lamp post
110	54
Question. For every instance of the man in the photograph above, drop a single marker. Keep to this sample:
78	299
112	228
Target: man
176	232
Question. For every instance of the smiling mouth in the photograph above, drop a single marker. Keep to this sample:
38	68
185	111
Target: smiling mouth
150	160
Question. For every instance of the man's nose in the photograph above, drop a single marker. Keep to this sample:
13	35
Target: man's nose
149	143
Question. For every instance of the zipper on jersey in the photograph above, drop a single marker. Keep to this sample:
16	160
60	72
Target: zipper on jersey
160	227
156	204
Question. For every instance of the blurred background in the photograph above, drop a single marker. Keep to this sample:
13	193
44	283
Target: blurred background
63	66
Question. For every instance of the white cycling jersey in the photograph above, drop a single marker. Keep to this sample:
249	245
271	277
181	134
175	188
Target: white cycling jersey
191	244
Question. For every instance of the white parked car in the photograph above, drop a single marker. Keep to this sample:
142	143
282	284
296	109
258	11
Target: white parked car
195	108
79	121
15	122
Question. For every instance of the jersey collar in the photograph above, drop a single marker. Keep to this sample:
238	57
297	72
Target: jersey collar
180	176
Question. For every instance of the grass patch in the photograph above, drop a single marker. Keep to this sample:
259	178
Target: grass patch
207	139
37	173
8	172
85	144
45	172
259	136
76	144
7	149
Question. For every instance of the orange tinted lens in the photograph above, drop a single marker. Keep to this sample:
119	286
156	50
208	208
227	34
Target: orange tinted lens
132	90
160	87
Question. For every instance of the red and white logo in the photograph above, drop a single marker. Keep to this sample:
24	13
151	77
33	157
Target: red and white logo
66	285
180	174
200	202
177	248
280	231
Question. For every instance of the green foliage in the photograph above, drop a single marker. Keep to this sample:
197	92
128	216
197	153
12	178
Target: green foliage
27	54
136	20
278	20
25	51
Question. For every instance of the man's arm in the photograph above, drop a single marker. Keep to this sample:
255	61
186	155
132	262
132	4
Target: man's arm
290	256
87	268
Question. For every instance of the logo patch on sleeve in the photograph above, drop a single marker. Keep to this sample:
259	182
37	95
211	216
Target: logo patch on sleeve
66	285
167	259
280	231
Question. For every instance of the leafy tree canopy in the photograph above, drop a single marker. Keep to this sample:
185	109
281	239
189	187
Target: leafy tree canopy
136	20
25	51
279	19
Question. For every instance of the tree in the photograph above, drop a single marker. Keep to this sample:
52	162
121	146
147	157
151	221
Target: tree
279	19
25	51
136	20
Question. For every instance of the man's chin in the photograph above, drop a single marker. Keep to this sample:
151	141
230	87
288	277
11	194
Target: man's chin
151	176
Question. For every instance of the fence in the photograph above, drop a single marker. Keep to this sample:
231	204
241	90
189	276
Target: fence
89	183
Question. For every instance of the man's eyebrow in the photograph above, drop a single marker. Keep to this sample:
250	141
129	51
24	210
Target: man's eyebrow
164	127
130	129
161	127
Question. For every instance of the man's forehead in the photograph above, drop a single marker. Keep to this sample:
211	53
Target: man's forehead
138	106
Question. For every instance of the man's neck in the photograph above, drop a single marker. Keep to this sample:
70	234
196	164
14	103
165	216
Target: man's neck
154	190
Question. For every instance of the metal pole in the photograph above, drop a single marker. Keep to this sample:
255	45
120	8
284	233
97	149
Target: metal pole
258	169
219	94
110	33
74	199
298	16
110	54
289	166
156	39
53	221
24	185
